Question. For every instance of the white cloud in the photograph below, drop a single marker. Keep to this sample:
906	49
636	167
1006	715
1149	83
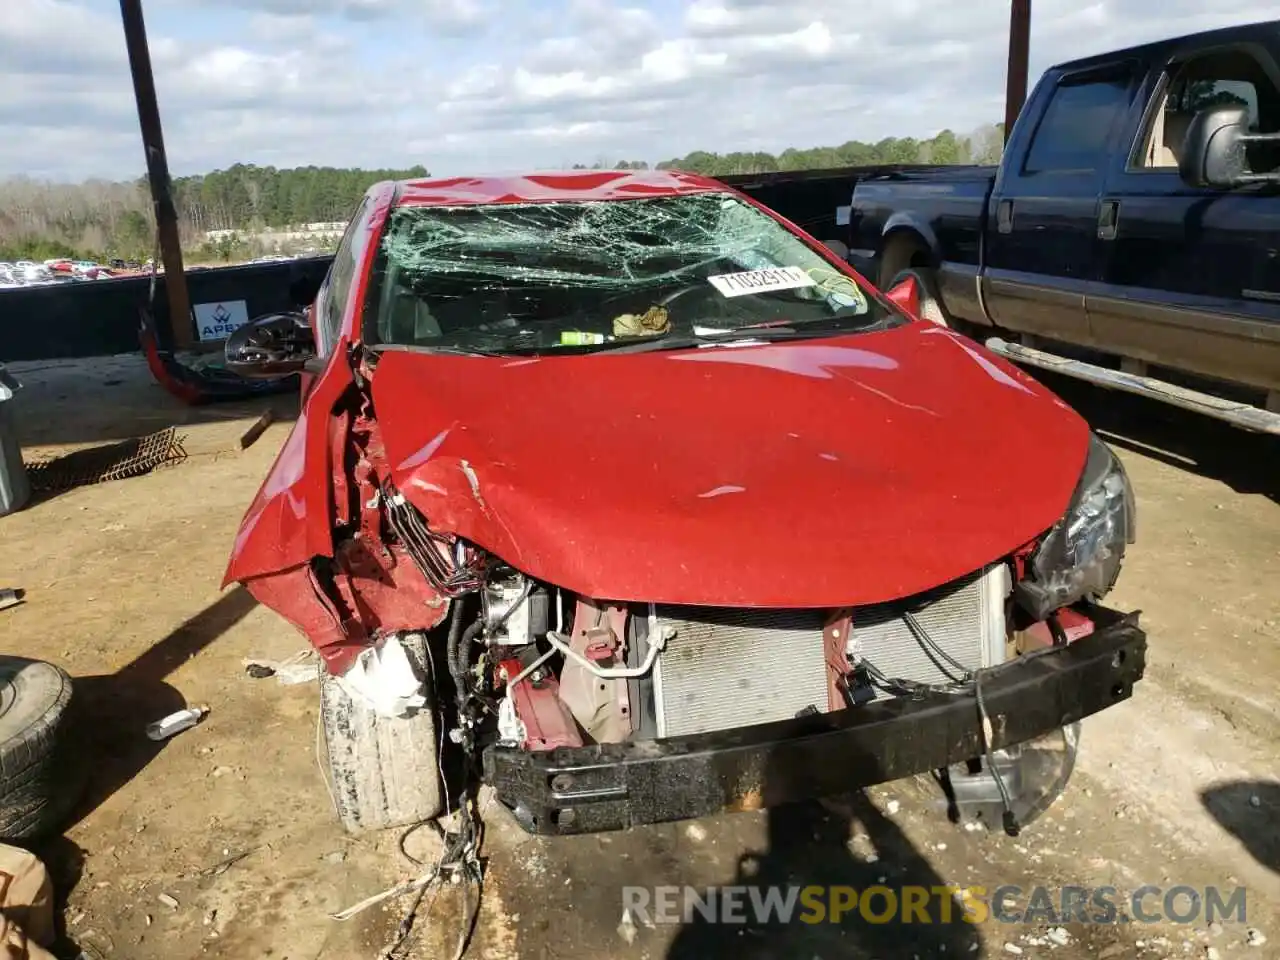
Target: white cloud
675	60
452	16
282	28
355	9
463	85
51	37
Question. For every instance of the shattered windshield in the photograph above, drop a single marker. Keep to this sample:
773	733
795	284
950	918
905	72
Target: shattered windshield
531	278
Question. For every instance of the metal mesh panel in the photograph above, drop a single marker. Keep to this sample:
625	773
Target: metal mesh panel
112	461
734	667
958	618
728	668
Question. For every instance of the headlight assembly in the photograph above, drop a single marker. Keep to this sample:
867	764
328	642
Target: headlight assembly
1080	557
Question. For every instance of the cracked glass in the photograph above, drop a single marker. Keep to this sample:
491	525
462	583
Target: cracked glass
531	278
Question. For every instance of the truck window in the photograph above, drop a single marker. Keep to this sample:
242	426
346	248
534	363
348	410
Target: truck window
1224	77
1074	132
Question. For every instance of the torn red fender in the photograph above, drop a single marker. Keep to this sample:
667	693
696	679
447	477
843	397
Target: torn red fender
370	587
339	434
290	520
296	596
385	591
375	595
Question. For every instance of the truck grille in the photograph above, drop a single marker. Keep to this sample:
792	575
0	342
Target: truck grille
733	667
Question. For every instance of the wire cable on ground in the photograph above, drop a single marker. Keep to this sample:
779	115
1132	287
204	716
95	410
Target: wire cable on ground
459	861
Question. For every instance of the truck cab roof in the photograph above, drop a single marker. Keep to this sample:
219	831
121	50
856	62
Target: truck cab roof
1146	51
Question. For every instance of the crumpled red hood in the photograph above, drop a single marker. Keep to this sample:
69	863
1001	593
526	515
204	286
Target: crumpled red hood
817	473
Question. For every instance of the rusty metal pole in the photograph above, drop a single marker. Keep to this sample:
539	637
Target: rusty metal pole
1015	91
144	89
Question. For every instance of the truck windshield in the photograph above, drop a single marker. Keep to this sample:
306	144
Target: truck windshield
529	278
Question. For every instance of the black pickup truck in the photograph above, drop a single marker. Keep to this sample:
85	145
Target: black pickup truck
1130	235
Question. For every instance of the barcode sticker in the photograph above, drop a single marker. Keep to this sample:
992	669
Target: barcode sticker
760	281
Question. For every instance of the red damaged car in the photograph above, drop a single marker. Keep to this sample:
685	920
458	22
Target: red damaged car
628	492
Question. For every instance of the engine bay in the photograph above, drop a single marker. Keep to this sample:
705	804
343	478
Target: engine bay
554	669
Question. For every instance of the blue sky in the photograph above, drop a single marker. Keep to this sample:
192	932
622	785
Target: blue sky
504	85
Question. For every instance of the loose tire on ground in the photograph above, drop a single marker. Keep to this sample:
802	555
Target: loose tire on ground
383	772
39	781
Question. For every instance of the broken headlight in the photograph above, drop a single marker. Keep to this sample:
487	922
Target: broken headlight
1080	557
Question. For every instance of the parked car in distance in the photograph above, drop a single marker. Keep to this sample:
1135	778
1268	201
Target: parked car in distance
648	503
30	272
1127	236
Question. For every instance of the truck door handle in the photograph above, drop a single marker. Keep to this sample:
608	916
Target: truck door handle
1108	219
1004	216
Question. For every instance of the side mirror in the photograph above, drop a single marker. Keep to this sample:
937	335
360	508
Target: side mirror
270	347
1213	151
906	294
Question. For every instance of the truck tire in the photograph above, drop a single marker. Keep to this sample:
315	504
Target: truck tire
39	782
931	308
383	772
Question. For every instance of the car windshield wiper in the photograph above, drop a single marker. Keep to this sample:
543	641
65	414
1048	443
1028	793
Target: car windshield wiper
738	335
445	348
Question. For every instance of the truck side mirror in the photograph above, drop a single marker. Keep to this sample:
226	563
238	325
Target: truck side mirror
270	347
1213	152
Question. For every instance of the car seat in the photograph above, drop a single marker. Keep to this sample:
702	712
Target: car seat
409	319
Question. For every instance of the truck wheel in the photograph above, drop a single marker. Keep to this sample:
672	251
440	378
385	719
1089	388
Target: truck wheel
383	772
930	302
39	783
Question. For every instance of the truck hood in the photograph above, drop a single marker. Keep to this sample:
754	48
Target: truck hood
819	473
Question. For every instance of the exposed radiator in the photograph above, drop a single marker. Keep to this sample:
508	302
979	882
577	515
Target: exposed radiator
733	667
965	618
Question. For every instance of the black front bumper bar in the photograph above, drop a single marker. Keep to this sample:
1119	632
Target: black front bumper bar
617	785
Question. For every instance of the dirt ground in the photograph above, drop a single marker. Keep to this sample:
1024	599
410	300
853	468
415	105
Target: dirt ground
232	820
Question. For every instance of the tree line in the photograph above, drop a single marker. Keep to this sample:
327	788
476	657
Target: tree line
102	219
983	145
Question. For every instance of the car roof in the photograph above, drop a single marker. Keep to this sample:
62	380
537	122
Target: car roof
570	185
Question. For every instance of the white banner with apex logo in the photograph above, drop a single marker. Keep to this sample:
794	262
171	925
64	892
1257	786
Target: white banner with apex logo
217	321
